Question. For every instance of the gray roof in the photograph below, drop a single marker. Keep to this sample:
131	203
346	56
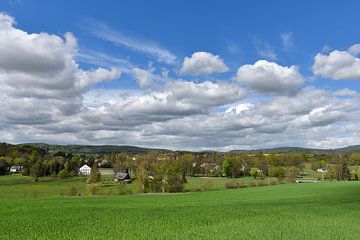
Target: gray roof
122	176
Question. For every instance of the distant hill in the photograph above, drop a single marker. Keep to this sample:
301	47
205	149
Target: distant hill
350	149
108	149
94	149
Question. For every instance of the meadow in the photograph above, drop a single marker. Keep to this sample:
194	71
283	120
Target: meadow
327	210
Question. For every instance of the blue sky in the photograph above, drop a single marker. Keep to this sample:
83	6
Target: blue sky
184	27
148	43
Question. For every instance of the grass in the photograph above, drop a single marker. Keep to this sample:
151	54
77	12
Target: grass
17	186
328	210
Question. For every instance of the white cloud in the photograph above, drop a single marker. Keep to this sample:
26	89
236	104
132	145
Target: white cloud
203	63
287	40
265	50
39	79
145	78
151	49
269	77
104	60
46	96
338	65
237	109
354	49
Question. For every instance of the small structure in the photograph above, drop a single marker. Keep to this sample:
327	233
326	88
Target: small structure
15	169
123	177
322	170
85	170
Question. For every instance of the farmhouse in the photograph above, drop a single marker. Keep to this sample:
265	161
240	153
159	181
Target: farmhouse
123	177
85	170
15	169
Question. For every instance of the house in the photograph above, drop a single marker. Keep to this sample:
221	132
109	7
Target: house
123	177
15	169
322	170
85	170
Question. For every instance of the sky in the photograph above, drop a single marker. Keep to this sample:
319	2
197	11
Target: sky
189	75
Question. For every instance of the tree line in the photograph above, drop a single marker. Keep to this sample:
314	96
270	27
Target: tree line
167	172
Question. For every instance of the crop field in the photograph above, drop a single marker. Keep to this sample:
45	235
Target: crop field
328	210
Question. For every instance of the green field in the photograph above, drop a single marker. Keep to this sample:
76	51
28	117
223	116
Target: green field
327	210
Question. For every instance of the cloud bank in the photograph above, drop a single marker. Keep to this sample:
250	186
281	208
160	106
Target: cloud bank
46	96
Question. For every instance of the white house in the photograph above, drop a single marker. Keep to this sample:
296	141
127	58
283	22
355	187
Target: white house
322	170
15	169
85	170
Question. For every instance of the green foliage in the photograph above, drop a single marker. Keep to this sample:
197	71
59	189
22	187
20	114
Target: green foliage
227	168
159	176
254	172
291	173
343	172
4	165
278	172
95	176
63	173
94	189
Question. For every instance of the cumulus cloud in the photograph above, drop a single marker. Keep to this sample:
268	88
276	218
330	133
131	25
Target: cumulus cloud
145	78
46	96
338	65
269	77
203	63
39	78
178	99
173	119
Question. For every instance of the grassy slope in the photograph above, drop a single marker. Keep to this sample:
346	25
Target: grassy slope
17	186
304	211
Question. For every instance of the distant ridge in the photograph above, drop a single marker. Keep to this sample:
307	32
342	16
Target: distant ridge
93	149
108	149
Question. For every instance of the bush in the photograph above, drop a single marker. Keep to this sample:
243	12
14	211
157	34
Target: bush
63	173
94	189
73	191
123	190
262	183
231	185
95	176
274	182
196	189
252	183
234	184
174	183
